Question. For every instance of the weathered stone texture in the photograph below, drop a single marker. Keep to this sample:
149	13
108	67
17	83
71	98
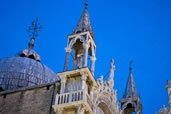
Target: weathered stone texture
30	101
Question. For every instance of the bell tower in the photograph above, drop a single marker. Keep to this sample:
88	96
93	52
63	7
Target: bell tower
130	103
81	44
79	92
78	84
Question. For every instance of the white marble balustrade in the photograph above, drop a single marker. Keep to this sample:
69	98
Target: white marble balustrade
70	97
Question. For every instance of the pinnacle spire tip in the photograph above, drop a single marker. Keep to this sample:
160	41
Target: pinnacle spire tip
130	65
86	4
112	61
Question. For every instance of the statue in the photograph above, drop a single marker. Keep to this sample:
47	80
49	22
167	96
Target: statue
79	60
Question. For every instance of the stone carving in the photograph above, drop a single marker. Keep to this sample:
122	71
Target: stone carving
105	92
79	60
59	110
111	75
81	109
100	80
168	87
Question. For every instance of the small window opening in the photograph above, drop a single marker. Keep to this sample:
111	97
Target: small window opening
31	56
22	55
1	89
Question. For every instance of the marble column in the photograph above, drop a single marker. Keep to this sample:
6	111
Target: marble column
83	79
63	83
66	63
92	92
93	59
86	47
84	85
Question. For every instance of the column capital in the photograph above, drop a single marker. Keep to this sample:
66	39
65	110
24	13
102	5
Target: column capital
63	78
86	45
67	49
93	58
83	76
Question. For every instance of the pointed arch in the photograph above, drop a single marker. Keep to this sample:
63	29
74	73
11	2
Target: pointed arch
73	41
104	103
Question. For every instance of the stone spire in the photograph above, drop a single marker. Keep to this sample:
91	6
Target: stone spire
130	101
83	24
130	90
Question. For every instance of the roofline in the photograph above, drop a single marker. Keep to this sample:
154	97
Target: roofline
29	88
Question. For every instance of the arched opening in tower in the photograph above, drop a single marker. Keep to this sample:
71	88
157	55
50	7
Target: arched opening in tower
130	109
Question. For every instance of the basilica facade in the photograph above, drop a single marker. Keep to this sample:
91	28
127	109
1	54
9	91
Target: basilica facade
29	87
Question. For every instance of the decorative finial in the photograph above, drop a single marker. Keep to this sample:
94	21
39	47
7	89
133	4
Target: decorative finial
130	65
86	4
168	82
33	32
112	63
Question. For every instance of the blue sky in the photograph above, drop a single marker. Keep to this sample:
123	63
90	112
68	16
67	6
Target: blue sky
138	30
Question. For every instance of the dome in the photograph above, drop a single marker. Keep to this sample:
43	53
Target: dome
17	72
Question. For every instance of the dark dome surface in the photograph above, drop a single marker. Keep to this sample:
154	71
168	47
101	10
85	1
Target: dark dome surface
17	72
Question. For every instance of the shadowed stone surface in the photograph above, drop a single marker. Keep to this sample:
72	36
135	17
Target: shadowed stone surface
34	100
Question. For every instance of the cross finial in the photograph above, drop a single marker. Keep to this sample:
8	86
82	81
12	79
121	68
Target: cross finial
86	3
130	65
33	32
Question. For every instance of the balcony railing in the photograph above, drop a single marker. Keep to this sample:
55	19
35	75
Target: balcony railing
69	97
75	96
